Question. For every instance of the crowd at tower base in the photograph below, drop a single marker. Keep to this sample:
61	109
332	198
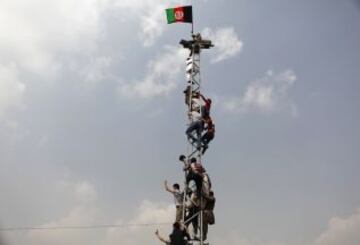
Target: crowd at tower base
196	201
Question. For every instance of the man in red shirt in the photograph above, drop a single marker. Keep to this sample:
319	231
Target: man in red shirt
209	135
207	106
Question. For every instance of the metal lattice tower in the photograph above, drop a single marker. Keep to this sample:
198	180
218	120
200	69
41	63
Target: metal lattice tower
193	89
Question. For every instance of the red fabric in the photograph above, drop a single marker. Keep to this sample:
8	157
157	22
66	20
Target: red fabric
179	14
207	105
197	168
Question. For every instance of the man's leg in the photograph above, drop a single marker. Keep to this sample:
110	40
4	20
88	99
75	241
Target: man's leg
205	229
192	127
179	213
199	129
198	182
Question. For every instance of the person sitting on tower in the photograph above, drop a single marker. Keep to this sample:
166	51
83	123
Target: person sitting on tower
178	198
209	134
179	235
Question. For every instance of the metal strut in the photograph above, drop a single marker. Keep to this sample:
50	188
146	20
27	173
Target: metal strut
193	88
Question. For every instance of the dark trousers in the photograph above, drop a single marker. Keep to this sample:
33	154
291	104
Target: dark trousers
197	179
205	140
194	220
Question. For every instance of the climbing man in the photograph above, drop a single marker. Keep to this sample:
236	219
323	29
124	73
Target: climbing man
209	134
207	106
178	199
179	235
197	126
194	172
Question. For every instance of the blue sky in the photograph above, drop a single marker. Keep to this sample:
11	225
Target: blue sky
92	119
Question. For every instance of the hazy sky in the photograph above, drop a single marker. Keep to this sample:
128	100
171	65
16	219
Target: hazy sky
92	119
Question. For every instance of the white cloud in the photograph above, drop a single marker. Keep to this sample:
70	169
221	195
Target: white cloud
85	212
341	231
226	41
161	75
164	69
152	24
11	88
148	213
238	239
268	93
93	71
35	33
85	192
151	14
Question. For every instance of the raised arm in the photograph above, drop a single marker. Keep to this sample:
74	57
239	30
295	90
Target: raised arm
167	188
166	241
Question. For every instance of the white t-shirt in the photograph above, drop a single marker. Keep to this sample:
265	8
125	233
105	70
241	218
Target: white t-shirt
197	103
195	116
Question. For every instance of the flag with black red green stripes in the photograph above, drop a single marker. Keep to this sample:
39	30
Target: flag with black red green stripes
179	14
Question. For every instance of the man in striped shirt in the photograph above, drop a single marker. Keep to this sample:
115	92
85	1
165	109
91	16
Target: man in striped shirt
178	199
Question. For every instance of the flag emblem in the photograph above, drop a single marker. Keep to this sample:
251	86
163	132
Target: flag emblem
179	14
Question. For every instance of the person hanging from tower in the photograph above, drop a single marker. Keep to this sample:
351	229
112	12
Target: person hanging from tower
178	199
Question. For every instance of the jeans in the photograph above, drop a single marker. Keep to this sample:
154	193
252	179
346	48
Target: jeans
198	127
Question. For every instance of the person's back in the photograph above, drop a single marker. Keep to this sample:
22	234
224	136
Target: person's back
177	237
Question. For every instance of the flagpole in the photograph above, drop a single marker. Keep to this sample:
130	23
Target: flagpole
192	22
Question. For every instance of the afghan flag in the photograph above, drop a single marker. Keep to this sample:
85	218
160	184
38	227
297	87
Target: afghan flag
179	14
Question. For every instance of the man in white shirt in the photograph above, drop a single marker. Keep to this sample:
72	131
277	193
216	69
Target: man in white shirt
197	125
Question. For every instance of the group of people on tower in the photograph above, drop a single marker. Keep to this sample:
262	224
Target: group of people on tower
195	203
189	203
201	129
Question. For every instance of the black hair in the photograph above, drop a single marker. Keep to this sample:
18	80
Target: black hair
176	186
182	157
193	160
176	225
